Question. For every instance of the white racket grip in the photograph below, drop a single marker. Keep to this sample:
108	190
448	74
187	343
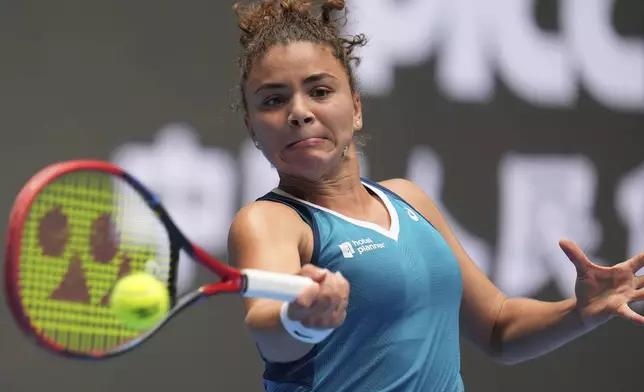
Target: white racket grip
274	285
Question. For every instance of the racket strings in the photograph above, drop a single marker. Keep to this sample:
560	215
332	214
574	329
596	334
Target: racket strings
84	232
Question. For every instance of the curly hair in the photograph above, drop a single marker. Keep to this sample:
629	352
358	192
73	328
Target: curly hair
268	23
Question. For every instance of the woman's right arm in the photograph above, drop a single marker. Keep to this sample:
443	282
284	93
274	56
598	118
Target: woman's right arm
273	237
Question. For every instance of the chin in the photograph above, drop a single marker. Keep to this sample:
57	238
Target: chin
310	168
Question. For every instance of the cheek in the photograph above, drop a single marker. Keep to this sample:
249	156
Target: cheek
342	117
268	126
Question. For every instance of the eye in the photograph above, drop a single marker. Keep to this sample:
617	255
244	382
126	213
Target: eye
273	101
320	92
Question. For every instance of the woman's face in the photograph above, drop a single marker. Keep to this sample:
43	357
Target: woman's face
301	111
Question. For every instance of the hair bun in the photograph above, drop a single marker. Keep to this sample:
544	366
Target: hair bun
333	5
329	6
254	16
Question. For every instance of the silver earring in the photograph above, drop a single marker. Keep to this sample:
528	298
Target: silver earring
345	151
256	144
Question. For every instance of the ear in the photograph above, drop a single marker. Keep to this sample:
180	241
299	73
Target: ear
357	112
249	129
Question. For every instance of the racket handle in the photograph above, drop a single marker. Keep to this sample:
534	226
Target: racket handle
274	285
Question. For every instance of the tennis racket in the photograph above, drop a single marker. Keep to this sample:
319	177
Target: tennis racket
75	229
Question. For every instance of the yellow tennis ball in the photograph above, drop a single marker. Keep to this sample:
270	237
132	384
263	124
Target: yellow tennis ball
140	300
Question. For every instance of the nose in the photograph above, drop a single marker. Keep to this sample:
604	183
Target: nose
300	121
300	114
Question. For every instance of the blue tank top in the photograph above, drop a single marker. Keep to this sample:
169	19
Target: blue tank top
402	327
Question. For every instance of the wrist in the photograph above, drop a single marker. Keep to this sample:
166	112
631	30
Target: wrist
299	331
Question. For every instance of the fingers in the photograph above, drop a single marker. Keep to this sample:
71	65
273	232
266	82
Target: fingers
629	314
636	262
625	311
329	316
577	257
334	300
325	307
638	295
639	282
313	272
300	307
329	308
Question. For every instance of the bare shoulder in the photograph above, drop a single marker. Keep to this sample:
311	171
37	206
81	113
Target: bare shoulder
264	218
268	235
403	187
414	195
262	221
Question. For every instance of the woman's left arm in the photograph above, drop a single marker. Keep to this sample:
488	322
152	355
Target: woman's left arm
512	330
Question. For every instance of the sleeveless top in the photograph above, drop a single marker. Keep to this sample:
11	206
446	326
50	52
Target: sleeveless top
401	332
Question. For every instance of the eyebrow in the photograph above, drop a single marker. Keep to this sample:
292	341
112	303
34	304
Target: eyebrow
310	79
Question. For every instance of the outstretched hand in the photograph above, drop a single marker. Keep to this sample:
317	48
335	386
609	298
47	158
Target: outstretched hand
605	292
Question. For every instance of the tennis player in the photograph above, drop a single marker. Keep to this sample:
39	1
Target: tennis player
395	288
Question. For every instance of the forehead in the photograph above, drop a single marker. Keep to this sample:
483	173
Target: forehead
295	60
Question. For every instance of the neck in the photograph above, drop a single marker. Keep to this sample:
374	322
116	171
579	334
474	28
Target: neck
342	190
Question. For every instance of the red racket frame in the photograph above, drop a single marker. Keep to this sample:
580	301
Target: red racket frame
232	281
